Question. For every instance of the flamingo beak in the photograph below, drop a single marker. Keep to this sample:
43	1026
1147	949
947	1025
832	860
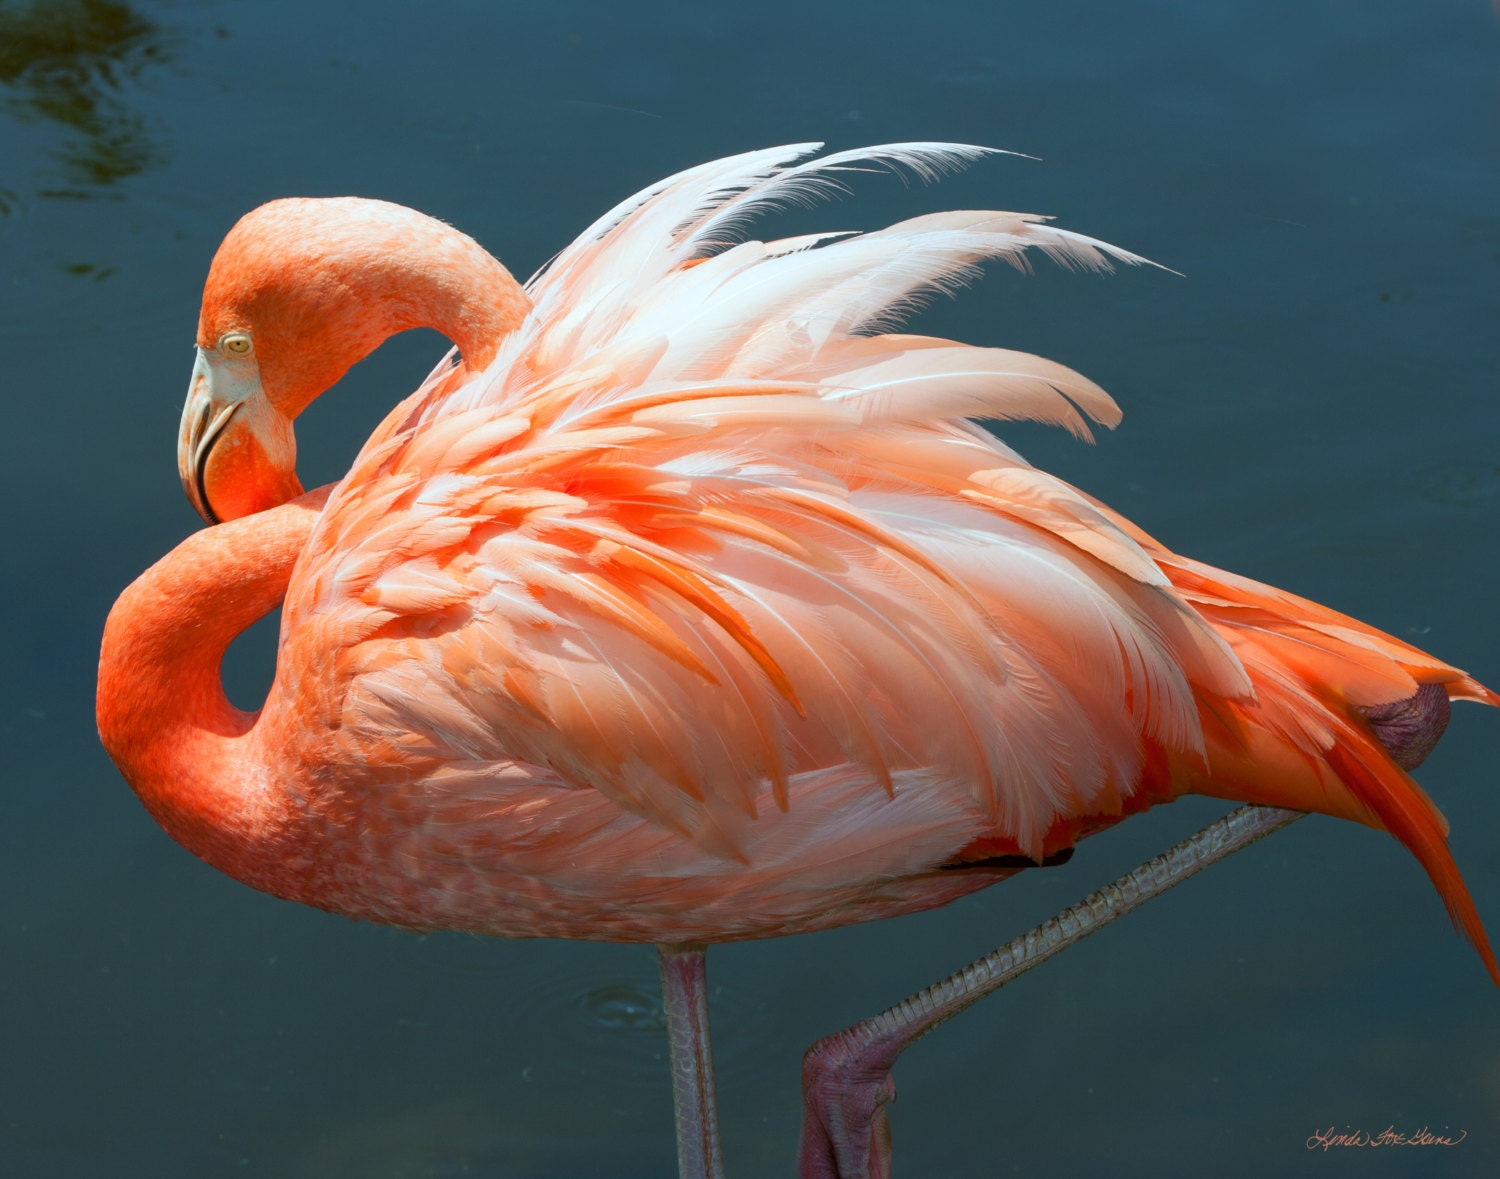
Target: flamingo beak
235	451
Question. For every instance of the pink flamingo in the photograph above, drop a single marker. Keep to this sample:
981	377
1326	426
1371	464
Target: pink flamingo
688	607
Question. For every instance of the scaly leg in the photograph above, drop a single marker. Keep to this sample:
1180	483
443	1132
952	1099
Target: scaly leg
846	1078
685	999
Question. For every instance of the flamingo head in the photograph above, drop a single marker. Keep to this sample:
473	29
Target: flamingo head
236	453
301	290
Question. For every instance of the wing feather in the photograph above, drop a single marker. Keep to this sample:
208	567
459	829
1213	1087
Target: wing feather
705	542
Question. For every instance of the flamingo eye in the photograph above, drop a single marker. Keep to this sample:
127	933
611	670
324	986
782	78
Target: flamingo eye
236	344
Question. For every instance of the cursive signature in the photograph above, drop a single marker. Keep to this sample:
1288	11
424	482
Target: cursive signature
1390	1136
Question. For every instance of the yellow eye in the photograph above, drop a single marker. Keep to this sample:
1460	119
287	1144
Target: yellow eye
236	344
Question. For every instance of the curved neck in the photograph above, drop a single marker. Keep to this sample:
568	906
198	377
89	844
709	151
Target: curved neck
322	282
161	708
445	280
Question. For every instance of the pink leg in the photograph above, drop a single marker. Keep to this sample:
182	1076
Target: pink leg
685	999
846	1078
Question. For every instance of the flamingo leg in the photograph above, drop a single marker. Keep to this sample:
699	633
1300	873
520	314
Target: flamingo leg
846	1077
685	1000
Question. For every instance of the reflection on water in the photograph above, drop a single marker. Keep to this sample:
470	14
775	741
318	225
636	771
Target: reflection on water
67	62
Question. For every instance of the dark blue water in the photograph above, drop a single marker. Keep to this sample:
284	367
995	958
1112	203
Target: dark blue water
1314	403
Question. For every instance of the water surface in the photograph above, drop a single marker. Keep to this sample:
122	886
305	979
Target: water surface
1312	403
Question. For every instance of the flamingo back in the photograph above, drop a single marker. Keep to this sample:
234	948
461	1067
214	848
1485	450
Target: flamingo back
707	599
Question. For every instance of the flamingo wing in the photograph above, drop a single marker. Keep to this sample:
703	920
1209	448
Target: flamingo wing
694	540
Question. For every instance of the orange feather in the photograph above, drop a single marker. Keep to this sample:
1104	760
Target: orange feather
688	606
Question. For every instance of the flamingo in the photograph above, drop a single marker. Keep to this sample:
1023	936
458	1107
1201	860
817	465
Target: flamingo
685	603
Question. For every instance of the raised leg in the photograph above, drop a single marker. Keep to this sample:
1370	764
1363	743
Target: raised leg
685	999
846	1078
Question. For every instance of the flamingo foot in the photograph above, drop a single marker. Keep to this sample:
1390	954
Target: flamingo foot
846	1078
847	1082
1409	729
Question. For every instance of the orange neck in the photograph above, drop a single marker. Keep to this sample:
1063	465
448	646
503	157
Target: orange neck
321	283
161	708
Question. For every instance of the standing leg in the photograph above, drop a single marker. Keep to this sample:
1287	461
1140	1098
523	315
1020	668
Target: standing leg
846	1078
685	999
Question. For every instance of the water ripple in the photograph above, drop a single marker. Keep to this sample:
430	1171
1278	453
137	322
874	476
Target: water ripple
1461	484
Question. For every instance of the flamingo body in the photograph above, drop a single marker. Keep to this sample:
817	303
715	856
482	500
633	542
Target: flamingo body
690	607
